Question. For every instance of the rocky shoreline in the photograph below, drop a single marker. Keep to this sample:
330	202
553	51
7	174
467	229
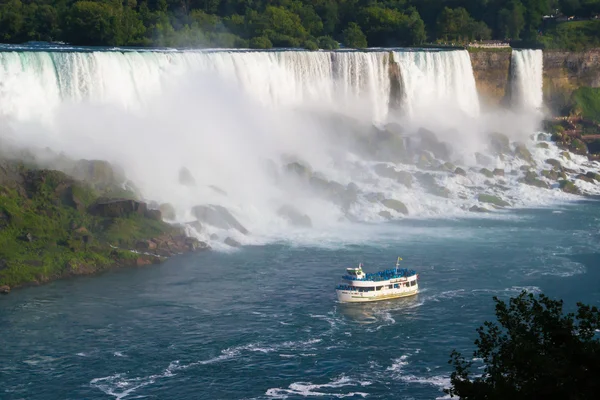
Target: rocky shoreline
53	226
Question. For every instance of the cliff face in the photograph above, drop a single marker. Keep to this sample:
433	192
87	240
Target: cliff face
492	71
566	71
563	72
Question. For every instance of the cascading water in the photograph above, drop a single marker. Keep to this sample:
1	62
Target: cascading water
527	79
237	119
438	79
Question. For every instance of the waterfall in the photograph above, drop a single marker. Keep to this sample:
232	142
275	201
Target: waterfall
438	79
33	83
527	79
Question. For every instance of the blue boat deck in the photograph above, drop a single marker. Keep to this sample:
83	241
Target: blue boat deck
383	275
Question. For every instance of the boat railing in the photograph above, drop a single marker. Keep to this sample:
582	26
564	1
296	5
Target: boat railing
383	275
346	287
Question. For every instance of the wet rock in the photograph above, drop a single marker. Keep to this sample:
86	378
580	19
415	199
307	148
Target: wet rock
478	209
486	172
146	245
498	172
448	166
294	216
214	236
196	225
585	178
542	145
430	142
550	174
565	155
577	146
99	173
232	242
387	171
555	163
593	175
395	205
523	153
460	171
186	178
495	200
431	186
375	197
217	216
532	179
168	211
385	214
4	289
118	208
568	187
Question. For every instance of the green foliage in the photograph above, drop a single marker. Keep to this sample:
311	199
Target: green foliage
327	43
260	42
295	23
354	36
586	102
534	351
46	231
574	35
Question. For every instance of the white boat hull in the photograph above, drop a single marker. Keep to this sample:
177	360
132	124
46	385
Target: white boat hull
354	296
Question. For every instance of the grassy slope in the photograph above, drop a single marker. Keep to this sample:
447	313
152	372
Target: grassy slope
66	239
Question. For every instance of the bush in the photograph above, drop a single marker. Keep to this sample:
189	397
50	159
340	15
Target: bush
327	43
260	42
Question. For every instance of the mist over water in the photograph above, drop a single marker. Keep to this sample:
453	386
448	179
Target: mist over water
235	119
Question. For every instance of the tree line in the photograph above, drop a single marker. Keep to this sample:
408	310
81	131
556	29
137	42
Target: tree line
310	24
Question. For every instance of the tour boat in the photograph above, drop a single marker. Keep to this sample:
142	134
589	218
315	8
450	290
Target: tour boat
359	287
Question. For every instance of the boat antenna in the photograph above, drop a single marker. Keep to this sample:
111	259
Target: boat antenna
397	264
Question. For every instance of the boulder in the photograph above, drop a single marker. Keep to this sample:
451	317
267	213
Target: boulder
550	174
217	216
495	200
186	178
532	179
578	146
568	187
542	145
232	242
118	208
294	216
196	225
593	175
486	172
555	163
387	171
498	172
478	209
153	214
146	245
565	155
385	214
460	171
430	142
395	205
168	211
4	289
431	186
523	153
585	178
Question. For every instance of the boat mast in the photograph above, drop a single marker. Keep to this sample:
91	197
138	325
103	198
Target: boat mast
397	264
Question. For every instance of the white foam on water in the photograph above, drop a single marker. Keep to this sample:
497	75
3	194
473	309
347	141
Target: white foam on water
309	389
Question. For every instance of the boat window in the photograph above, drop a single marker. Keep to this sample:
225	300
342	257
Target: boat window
413	283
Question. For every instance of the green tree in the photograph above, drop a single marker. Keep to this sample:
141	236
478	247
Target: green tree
511	20
93	23
354	36
534	351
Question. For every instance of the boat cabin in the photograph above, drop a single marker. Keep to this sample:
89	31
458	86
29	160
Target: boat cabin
356	272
